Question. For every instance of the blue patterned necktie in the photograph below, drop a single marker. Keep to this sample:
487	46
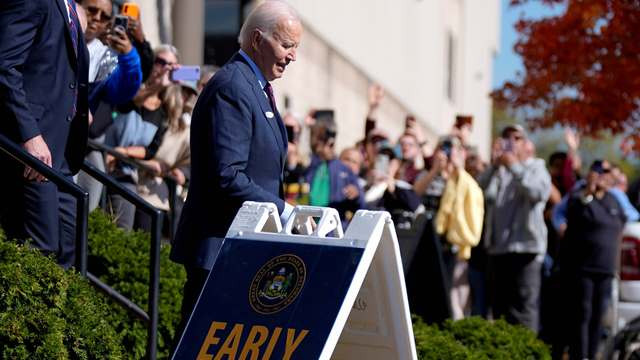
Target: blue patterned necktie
74	39
72	26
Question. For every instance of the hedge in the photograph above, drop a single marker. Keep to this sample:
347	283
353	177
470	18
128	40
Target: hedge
49	313
476	338
121	260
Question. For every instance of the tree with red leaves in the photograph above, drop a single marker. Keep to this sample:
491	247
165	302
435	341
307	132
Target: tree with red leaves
582	68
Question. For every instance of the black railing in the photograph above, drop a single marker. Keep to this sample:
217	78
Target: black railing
171	182
154	271
63	183
82	210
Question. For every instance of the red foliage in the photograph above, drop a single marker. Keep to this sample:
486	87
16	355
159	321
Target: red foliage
582	68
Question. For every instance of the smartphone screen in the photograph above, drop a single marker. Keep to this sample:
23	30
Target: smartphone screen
507	145
121	21
290	133
382	164
186	73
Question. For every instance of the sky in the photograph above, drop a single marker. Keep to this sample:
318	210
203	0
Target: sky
507	62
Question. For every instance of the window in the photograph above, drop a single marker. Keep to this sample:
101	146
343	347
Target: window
450	63
222	22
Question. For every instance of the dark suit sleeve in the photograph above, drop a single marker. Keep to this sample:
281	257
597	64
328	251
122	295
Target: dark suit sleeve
19	21
232	138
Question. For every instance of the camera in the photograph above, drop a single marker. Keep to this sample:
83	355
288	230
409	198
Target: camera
507	145
121	21
447	147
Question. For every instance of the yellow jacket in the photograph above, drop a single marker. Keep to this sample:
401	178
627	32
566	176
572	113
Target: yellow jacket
461	213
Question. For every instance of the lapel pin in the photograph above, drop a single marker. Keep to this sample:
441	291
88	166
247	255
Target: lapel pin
268	114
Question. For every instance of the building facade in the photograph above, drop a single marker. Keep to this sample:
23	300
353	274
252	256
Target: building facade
433	57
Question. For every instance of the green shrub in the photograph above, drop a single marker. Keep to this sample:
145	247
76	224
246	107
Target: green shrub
476	338
121	260
49	313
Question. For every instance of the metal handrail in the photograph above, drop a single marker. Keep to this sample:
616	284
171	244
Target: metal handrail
154	281
171	181
82	197
82	213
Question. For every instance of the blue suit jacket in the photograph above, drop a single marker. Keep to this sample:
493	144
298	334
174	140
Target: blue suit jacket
40	76
237	154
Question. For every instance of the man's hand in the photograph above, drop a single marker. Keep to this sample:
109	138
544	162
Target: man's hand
508	158
440	161
413	128
572	139
119	41
375	96
37	147
351	191
135	29
179	176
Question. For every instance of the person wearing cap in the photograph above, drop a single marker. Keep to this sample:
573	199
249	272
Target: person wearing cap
516	187
587	261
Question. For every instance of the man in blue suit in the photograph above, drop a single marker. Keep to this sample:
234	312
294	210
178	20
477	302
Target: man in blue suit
43	107
238	141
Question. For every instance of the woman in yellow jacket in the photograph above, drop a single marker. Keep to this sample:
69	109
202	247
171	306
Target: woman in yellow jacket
459	220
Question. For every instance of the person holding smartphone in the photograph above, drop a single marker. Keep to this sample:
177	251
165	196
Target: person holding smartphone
516	188
333	184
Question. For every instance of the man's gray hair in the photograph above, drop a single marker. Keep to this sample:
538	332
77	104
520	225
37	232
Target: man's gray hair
265	17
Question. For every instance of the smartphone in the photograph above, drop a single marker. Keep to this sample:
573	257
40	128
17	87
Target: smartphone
382	164
121	21
131	10
446	147
186	73
324	116
507	145
291	134
409	121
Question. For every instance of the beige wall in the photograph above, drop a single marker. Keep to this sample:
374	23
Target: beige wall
401	44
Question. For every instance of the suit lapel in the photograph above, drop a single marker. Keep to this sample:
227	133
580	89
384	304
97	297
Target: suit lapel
275	123
65	16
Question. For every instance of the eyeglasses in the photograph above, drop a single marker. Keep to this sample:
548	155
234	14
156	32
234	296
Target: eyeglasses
162	62
514	137
103	17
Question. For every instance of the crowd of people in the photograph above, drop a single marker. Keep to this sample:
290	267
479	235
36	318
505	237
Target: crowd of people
518	237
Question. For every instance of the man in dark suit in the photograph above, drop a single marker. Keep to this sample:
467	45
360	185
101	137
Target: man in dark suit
43	107
238	141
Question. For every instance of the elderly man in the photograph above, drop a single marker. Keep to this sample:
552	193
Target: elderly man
516	188
238	141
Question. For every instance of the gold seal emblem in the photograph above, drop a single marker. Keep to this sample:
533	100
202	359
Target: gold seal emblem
277	284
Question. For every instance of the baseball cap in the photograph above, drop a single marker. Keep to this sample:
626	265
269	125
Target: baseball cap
513	128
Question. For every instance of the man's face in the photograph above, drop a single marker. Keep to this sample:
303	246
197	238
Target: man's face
556	167
274	52
352	159
518	144
98	17
409	147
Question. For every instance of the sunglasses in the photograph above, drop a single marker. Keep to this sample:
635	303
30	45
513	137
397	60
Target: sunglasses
93	11
162	62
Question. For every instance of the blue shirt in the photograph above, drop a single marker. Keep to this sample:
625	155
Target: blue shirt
261	79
